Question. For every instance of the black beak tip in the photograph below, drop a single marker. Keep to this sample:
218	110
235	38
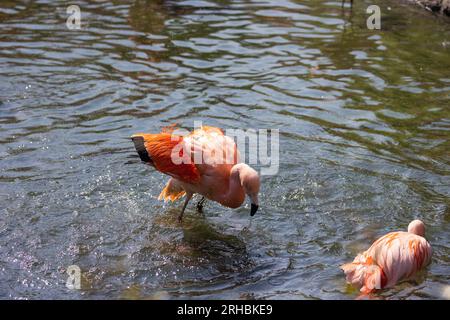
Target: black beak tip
253	209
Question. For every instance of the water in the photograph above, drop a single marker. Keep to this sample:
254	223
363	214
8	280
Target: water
364	117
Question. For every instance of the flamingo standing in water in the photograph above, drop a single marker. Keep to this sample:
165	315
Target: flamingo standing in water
394	257
210	167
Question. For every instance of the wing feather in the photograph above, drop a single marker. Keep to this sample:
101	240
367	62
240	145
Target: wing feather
157	149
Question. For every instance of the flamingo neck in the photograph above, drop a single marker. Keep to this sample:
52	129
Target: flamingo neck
235	194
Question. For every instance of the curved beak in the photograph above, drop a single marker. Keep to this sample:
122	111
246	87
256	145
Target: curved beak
253	209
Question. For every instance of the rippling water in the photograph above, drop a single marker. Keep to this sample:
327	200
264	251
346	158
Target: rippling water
364	119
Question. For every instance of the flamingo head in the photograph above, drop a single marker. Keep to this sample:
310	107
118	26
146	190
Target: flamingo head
417	227
250	182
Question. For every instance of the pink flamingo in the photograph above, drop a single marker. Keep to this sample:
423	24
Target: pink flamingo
394	257
210	167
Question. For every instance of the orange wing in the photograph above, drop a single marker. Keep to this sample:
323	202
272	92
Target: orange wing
156	149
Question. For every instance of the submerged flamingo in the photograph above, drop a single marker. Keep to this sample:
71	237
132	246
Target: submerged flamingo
209	166
394	257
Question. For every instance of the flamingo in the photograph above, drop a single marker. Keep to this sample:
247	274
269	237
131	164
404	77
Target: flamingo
394	257
209	166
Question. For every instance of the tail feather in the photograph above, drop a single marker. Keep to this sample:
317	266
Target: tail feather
171	192
365	275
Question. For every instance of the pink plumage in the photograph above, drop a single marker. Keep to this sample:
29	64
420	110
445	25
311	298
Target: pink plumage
394	257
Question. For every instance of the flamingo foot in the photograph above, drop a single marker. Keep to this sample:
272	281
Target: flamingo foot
200	205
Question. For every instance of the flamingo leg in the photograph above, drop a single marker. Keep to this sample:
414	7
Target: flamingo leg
351	3
186	201
200	204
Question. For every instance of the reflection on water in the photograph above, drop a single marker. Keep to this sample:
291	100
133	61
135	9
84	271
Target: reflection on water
364	125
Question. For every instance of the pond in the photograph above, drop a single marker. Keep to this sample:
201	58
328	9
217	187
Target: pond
364	120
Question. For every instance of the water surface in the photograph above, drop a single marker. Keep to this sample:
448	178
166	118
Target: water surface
364	119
